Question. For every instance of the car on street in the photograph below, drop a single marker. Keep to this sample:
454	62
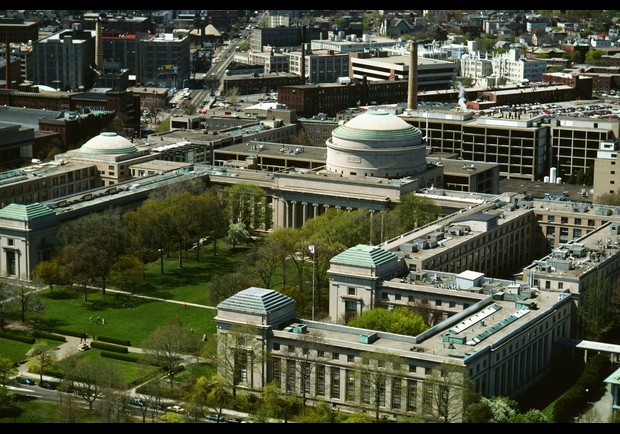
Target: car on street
48	385
26	381
176	409
83	347
215	417
137	401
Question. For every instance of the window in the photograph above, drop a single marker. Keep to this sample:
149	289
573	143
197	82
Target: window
276	347
320	380
412	395
351	291
412	368
396	392
335	389
10	241
397	297
350	358
335	356
320	353
290	375
438	303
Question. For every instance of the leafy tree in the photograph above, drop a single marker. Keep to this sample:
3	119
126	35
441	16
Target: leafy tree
285	243
8	404
93	244
372	374
7	370
50	272
233	96
277	403
197	397
237	234
414	211
24	298
247	204
594	307
218	394
42	358
398	320
166	346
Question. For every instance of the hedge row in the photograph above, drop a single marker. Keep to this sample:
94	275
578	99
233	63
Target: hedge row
575	400
123	342
110	347
48	335
127	357
17	337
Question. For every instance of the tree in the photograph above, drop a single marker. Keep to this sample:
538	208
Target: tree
7	370
235	352
233	96
42	358
372	374
24	296
594	307
247	204
197	397
166	345
237	234
414	211
8	301
92	378
444	393
228	284
399	320
98	239
306	356
277	404
50	272
284	242
264	261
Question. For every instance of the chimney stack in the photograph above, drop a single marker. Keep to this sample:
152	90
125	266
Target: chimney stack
98	44
412	100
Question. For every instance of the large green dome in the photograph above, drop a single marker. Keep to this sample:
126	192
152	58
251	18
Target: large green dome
378	125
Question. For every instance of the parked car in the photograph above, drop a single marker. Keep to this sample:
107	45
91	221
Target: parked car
83	347
234	420
48	385
26	381
176	409
137	401
215	417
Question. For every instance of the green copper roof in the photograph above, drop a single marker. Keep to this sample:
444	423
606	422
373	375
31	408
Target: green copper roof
364	256
28	212
256	300
377	125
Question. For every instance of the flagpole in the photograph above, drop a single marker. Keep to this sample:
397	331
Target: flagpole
313	278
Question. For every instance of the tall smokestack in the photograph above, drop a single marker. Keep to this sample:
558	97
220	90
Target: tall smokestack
412	100
98	43
303	54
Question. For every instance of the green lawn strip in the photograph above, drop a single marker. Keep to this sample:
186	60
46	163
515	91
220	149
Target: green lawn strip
125	317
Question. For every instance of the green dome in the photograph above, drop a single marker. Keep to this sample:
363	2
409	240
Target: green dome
378	125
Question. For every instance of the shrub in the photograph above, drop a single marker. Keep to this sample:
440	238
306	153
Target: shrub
117	341
109	347
48	335
17	337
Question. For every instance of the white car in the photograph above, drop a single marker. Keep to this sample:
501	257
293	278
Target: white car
83	347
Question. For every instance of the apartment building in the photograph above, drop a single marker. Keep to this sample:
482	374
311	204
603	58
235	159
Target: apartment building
64	60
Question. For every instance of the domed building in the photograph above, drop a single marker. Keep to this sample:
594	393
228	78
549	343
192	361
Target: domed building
111	153
376	143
